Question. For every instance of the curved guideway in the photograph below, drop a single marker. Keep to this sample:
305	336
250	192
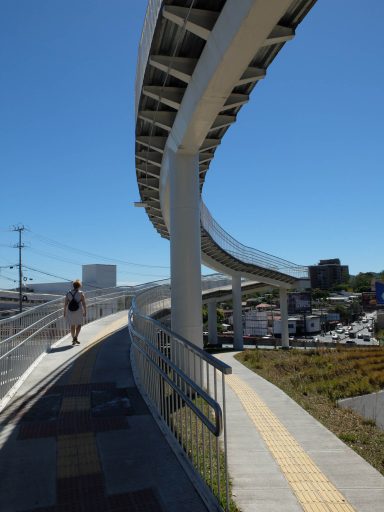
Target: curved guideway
196	69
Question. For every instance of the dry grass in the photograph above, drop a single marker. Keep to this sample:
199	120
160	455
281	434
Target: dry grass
315	379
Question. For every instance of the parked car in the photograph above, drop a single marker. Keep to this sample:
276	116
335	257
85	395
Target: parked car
350	342
335	337
366	337
340	330
360	335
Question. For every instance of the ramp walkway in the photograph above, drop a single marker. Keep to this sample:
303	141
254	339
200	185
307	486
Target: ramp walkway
77	435
283	460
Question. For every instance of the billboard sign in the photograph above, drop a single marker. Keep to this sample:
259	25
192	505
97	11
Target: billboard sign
379	289
299	303
368	300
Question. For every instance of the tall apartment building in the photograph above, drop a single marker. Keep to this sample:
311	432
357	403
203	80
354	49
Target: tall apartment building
328	273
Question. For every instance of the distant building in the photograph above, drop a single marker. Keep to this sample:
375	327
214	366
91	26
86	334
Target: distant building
99	276
328	273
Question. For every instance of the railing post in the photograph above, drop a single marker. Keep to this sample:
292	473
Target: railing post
238	343
212	323
284	318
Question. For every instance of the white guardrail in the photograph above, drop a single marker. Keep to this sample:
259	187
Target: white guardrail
26	336
183	385
185	389
246	254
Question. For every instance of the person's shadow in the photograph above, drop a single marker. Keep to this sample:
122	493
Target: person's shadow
61	349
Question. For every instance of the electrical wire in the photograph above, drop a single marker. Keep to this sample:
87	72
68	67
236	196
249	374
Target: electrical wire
84	283
2	276
55	257
54	243
58	277
126	272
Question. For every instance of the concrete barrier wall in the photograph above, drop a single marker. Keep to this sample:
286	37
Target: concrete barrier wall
369	406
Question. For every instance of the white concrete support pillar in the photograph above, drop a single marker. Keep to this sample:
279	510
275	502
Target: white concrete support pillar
186	294
212	323
284	318
237	313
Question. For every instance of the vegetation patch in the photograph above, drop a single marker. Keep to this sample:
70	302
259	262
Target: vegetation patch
316	379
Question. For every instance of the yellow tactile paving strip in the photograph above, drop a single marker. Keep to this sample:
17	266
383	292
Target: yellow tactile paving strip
77	454
313	490
76	403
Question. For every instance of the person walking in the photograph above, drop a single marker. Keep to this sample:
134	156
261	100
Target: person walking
75	310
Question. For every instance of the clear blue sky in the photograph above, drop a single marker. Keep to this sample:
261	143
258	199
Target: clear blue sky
299	175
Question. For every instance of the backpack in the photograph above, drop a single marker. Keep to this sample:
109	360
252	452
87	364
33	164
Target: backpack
73	304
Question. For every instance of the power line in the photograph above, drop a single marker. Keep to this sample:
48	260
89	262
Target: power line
51	275
70	280
3	276
54	257
66	260
54	243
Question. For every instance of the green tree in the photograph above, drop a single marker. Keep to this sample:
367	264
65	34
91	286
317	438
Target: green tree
362	282
219	318
318	294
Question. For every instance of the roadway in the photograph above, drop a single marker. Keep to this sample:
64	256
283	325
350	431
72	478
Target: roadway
360	328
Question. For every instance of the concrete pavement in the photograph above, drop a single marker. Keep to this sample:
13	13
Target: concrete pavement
77	435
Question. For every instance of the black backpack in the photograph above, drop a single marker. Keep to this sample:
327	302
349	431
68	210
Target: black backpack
73	304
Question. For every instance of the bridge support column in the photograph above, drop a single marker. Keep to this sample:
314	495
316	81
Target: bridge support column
284	318
186	313
237	313
212	323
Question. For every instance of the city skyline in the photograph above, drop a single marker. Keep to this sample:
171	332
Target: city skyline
67	150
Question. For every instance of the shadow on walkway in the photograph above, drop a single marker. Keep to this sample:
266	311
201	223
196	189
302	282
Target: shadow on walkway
81	438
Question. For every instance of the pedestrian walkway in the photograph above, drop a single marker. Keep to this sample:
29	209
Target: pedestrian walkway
77	436
282	460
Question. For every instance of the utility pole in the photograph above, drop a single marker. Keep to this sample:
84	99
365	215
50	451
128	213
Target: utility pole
20	228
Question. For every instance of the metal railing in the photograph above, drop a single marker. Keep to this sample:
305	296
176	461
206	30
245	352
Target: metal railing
25	337
185	388
246	254
149	26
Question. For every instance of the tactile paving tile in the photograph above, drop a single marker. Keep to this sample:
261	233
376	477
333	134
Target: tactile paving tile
36	429
138	501
77	498
313	490
71	423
